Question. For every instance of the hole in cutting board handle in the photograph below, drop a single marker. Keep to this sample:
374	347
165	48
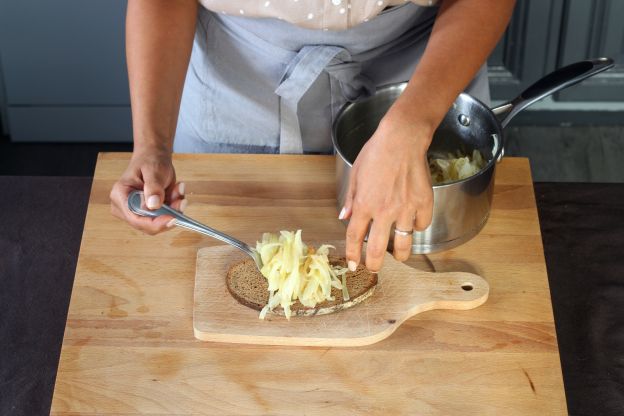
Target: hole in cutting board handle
467	287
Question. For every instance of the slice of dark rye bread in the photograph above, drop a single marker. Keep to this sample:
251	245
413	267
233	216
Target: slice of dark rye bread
250	288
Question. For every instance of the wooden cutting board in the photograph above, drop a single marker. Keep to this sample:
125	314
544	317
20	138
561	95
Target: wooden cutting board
129	346
401	293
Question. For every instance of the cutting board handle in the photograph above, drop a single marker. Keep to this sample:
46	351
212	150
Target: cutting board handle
452	290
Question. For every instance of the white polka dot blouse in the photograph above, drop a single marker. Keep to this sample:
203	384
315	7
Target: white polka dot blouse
311	14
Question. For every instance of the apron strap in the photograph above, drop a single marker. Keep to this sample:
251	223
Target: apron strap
299	76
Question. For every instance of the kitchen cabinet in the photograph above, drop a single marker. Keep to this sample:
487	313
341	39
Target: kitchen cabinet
525	53
547	34
63	72
594	28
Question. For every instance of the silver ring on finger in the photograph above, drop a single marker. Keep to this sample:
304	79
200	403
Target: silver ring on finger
403	233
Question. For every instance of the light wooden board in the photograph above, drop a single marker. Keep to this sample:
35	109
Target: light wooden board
129	346
401	292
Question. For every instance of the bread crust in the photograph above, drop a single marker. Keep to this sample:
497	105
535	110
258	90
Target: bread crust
250	288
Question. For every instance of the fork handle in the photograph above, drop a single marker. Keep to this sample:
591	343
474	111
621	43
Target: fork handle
190	224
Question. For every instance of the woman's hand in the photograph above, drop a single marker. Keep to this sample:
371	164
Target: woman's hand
390	180
151	171
157	31
389	184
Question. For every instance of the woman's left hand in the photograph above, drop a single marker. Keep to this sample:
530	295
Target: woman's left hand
390	181
389	184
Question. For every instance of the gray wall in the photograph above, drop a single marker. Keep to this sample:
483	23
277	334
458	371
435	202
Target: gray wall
62	65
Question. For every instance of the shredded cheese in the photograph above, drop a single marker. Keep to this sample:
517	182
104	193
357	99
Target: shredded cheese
295	271
453	168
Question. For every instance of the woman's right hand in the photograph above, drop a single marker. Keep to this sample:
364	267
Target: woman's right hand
152	172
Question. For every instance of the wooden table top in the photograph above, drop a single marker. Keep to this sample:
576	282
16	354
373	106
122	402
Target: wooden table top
129	347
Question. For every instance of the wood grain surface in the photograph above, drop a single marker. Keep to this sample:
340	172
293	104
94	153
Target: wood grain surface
129	347
401	292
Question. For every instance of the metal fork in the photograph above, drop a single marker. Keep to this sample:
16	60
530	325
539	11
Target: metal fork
136	204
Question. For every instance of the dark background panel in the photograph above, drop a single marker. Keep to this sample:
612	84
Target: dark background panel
70	124
594	28
39	243
63	52
526	51
63	74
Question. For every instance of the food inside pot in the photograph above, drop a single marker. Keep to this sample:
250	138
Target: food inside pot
453	167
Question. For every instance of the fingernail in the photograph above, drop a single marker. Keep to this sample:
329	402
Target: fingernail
351	265
183	205
342	214
181	188
153	201
171	223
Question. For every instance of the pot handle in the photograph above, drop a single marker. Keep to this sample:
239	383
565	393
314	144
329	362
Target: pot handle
551	83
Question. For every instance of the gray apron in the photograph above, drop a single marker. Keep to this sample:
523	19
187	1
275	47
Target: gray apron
267	86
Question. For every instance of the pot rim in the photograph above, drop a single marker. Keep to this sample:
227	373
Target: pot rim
491	162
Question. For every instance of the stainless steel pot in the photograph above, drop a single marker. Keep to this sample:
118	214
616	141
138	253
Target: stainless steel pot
460	208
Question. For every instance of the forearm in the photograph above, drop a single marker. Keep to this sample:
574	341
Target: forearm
463	36
159	39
